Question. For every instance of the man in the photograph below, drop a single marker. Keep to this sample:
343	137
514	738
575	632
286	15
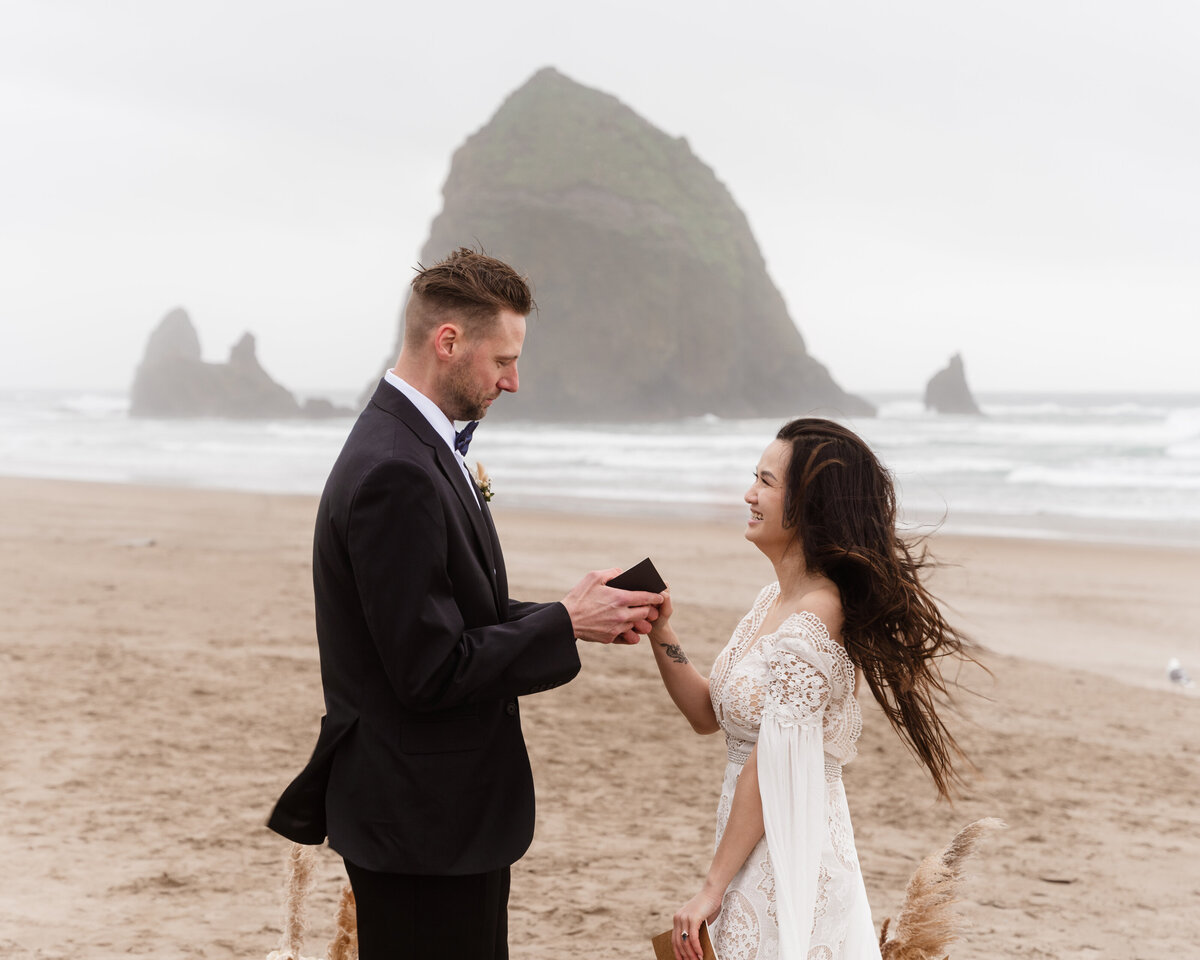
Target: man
420	776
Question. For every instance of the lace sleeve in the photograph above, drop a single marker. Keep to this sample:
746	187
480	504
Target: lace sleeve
800	684
791	774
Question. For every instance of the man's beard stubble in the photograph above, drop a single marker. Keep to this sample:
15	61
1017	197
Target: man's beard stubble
464	400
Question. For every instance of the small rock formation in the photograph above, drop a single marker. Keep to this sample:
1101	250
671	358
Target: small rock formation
174	381
173	339
947	391
654	300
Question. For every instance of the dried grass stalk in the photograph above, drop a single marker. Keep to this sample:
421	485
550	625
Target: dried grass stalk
344	945
928	923
301	876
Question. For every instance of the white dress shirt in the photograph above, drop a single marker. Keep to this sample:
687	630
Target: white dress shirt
442	425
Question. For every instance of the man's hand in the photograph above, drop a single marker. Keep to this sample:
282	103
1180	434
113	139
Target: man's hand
604	614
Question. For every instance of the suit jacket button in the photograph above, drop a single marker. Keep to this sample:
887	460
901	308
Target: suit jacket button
511	708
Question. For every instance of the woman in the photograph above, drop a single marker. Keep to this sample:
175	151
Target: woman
848	603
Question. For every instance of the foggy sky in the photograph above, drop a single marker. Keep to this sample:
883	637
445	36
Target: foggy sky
1014	180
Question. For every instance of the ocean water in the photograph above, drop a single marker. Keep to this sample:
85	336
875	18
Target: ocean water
1119	468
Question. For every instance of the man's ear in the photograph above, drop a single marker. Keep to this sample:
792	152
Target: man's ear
446	339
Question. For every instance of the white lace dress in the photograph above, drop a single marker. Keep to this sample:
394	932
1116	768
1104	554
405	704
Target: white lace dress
800	894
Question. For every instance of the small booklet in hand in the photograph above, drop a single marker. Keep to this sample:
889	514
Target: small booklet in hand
664	951
641	576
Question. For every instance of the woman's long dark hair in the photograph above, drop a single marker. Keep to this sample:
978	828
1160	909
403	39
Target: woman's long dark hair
841	502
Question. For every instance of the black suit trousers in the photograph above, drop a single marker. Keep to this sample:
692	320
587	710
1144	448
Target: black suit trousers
404	916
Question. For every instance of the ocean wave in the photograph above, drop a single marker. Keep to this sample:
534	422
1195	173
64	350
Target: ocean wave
1107	461
902	410
933	466
1184	450
95	404
1077	411
1082	477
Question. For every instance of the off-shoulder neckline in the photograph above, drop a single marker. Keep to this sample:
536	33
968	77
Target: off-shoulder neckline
768	594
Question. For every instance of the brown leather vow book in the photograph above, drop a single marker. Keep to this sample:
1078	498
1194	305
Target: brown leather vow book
663	950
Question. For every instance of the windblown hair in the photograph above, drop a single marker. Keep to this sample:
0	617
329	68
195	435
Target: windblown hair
469	288
841	502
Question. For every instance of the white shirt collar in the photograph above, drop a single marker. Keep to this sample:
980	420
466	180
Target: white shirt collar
442	424
429	410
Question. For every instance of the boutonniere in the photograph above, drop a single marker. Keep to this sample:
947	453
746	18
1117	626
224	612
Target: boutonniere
483	481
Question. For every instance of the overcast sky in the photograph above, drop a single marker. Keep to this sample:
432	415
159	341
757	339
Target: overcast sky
1015	180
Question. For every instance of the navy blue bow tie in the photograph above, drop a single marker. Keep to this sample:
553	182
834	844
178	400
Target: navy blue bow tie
462	438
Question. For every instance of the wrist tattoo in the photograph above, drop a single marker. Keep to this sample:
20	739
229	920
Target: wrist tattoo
674	651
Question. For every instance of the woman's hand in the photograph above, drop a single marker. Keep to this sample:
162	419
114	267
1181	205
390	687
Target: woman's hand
703	906
687	688
665	609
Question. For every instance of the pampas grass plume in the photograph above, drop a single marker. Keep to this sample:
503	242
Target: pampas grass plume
928	923
344	945
301	875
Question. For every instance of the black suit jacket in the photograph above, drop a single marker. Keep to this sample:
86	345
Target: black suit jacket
420	766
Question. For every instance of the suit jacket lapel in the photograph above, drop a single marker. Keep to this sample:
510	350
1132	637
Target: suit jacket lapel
397	404
497	553
453	471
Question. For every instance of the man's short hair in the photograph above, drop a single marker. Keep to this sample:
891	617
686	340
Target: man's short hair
468	288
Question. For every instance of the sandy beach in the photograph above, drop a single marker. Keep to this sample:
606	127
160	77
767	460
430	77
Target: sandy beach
158	670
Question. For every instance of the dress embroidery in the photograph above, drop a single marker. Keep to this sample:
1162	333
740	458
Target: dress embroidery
798	675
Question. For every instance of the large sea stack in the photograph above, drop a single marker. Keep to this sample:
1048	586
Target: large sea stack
174	381
947	390
654	300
